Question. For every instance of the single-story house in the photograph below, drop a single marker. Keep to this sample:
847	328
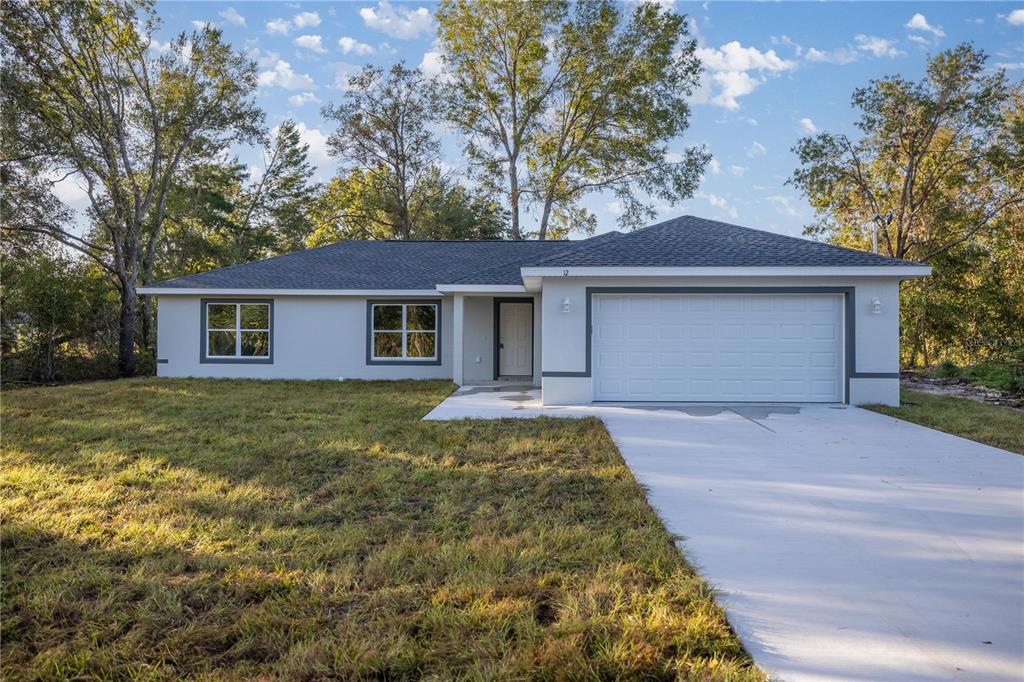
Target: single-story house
682	311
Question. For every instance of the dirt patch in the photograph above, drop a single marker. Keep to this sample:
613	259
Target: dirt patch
961	388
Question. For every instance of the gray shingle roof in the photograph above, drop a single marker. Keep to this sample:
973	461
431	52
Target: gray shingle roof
372	265
682	242
689	242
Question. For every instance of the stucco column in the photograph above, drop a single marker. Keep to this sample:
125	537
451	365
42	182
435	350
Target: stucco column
458	308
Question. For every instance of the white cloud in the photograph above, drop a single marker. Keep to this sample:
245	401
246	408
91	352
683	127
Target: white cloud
317	141
301	20
756	149
729	66
311	43
719	202
156	47
614	207
401	22
841	55
342	72
202	25
786	40
1015	18
918	22
920	40
716	168
306	20
1009	66
348	45
232	16
278	26
879	47
977	21
68	189
807	125
282	76
738	171
303	98
784	205
432	64
734	57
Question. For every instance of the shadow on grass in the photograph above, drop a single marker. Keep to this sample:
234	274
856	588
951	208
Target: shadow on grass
321	529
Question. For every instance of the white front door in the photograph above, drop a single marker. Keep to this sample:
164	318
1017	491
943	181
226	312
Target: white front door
515	339
718	347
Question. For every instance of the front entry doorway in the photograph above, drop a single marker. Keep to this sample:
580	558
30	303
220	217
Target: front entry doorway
514	337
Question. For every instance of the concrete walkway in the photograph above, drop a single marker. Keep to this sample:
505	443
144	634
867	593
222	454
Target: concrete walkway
845	544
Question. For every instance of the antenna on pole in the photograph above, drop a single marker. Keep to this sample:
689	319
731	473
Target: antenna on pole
879	221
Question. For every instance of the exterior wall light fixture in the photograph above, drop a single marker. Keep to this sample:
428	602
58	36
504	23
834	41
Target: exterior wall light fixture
876	306
566	304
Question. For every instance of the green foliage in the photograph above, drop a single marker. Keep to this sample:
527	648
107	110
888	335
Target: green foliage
58	320
386	147
619	101
218	529
354	206
556	102
945	156
1004	375
947	369
92	99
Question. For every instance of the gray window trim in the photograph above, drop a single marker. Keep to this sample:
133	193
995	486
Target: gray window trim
203	359
850	321
370	302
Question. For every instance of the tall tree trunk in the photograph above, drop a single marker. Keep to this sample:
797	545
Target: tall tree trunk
513	182
126	331
545	215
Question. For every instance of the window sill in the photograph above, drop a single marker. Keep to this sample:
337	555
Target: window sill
403	361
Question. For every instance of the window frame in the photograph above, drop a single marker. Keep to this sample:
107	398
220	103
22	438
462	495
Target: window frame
205	358
371	359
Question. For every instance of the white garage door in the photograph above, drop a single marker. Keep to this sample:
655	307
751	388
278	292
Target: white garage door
718	347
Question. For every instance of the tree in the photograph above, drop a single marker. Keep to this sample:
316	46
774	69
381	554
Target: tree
944	156
384	141
281	195
938	154
123	122
620	100
497	58
563	104
353	207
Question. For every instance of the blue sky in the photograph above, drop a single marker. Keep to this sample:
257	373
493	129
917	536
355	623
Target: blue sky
774	71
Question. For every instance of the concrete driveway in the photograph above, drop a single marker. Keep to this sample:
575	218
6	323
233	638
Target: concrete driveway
845	544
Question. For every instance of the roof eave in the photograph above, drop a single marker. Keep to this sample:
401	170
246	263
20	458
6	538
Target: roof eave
899	271
228	291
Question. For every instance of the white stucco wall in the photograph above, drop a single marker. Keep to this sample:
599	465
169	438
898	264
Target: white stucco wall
315	337
876	344
478	339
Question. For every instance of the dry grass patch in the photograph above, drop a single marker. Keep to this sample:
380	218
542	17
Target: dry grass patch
216	529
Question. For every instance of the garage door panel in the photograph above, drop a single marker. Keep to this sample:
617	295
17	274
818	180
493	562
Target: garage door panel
722	347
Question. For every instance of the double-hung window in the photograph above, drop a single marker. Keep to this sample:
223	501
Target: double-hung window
237	331
403	332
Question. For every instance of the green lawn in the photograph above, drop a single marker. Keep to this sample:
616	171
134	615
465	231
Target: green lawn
224	529
1002	427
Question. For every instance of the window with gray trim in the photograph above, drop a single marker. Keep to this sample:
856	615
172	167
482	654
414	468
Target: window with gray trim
403	331
237	330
